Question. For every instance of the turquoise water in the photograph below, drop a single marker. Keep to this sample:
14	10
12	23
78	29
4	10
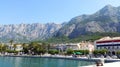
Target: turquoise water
40	62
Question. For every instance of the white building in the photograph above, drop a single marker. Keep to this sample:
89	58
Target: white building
19	47
84	45
16	47
111	44
73	46
79	46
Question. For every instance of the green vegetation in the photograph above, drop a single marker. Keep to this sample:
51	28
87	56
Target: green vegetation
3	48
103	51
35	48
11	51
85	37
118	52
41	47
69	51
62	39
53	52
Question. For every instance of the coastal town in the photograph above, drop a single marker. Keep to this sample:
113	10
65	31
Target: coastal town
110	44
106	47
59	33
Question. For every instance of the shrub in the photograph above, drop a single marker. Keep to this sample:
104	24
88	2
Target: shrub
53	52
70	51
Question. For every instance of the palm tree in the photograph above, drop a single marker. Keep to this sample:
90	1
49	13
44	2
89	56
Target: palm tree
48	47
11	43
15	46
1	47
4	48
25	48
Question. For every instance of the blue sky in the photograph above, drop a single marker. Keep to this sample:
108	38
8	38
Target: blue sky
44	11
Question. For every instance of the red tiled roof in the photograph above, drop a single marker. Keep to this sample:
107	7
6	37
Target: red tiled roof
108	41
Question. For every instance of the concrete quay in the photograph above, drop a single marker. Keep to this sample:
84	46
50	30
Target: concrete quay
66	57
113	64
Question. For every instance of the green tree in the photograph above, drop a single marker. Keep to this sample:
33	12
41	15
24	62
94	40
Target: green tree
37	48
11	42
53	52
3	47
118	52
48	47
70	51
95	52
14	46
103	51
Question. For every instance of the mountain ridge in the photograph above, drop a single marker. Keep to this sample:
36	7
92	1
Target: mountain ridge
106	19
28	32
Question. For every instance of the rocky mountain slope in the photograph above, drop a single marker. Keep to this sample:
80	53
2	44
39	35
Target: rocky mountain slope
105	20
27	32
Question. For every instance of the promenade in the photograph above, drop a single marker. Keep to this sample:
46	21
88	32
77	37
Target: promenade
113	64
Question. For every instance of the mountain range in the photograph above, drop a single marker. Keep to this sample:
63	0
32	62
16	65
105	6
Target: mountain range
27	32
106	19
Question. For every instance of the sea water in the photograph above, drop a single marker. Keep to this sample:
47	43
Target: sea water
40	62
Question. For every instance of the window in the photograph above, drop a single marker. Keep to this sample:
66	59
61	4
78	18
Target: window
117	47
108	47
98	47
113	47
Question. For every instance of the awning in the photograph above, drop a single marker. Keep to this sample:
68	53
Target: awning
77	53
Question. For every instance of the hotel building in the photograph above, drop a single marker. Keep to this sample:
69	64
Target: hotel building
111	44
77	46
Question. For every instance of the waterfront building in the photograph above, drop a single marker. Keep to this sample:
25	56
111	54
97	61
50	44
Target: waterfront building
73	46
61	47
16	47
53	47
66	46
111	44
19	47
84	45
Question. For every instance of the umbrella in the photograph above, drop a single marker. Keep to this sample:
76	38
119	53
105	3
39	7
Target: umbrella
77	53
